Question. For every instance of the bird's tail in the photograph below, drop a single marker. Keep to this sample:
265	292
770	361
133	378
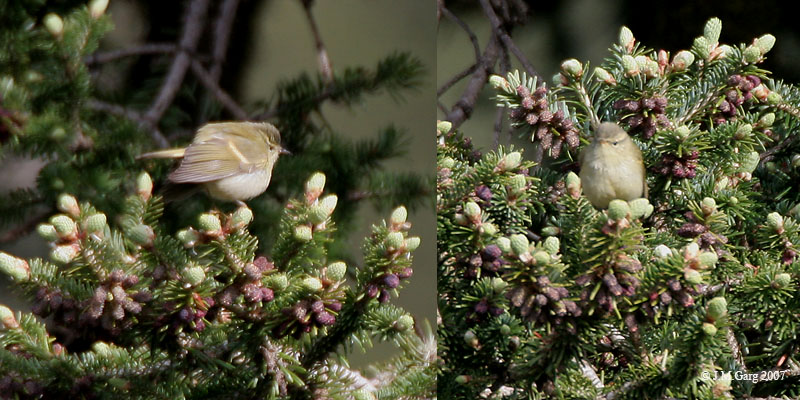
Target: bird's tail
168	153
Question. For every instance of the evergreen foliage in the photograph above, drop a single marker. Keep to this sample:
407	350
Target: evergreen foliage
196	299
673	296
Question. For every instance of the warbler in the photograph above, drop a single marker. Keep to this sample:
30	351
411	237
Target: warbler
232	161
612	167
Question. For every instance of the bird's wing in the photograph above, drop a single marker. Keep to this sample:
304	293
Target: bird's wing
169	153
218	157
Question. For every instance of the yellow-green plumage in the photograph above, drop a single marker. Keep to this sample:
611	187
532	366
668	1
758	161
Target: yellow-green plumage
612	167
232	160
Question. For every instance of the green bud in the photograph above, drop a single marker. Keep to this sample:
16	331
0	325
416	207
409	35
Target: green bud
102	349
209	223
58	133
662	251
552	245
303	233
65	253
795	160
447	162
311	283
709	329
141	234
242	217
188	237
7	319
640	208
97	8
724	50
795	211
14	267
708	258
317	215
336	271
573	180
64	225
69	205
518	183
708	205
701	46
751	54
618	209
315	184
782	280
682	132
144	186
550	231
510	161
363	394
765	43
626	38
54	24
505	330
47	232
504	244
721	184
683	60
775	221
519	244
462	379
572	67
693	276
604	76
766	120
328	203
404	323
472	210
541	258
750	162
712	30
488	229
743	131
277	281
733	200
394	240
500	83
399	216
774	98
498	285
412	243
717	308
194	275
96	223
444	127
471	339
629	65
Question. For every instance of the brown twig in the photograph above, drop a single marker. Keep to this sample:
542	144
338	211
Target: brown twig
463	108
457	77
211	84
111	55
508	43
190	36
325	67
472	38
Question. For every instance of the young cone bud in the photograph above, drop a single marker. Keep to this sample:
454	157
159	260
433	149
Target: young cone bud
693	276
709	329
504	244
141	234
64	225
618	209
188	237
14	267
209	223
604	76
510	161
399	216
775	221
765	43
242	217
662	251
194	275
782	280
7	319
404	323
472	210
626	38
708	205
552	245
717	308
640	208
394	240
65	253
572	67
97	8
412	243
96	223
751	54
315	185
630	66
519	244
54	25
69	205
312	284
144	186
541	258
336	271
47	232
303	233
443	126
683	60
498	82
712	30
708	259
277	281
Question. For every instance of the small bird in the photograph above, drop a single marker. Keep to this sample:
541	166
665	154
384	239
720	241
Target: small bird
233	161
612	167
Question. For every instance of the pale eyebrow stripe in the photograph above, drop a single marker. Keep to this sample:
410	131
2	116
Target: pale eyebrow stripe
238	154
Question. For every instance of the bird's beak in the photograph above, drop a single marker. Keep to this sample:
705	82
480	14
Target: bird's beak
284	151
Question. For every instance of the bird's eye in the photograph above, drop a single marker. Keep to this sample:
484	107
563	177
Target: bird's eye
614	143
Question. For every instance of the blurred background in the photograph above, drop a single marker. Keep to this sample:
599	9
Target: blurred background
585	29
271	41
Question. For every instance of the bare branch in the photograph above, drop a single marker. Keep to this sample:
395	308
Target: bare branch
463	108
132	115
190	36
472	38
222	34
497	26
111	55
325	67
211	84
